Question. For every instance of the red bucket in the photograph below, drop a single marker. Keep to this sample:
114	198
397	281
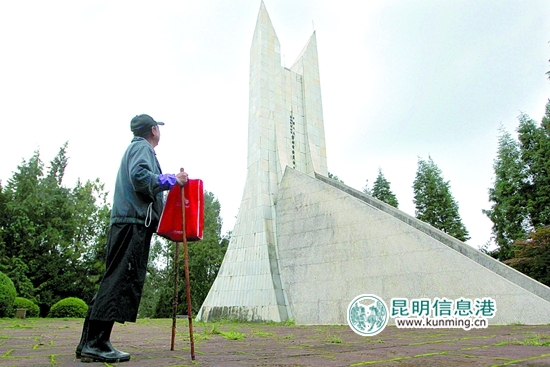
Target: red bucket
171	221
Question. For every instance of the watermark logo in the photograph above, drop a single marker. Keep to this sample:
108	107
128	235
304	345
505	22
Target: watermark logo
367	315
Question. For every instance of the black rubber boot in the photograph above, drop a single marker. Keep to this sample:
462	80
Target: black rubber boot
83	338
98	347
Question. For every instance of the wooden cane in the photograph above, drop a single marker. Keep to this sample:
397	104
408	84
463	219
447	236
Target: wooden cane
175	302
187	282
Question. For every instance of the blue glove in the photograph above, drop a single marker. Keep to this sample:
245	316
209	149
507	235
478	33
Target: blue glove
167	180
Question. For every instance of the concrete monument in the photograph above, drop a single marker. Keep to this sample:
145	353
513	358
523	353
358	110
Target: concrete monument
304	246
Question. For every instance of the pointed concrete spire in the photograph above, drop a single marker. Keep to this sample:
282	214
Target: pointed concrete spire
307	65
280	133
265	43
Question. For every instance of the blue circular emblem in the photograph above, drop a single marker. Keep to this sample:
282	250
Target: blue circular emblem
367	315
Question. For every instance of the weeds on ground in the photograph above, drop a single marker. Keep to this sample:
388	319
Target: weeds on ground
333	339
52	359
263	334
198	337
535	340
19	326
213	330
289	322
538	340
232	335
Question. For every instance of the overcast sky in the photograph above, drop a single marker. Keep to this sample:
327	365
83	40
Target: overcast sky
399	80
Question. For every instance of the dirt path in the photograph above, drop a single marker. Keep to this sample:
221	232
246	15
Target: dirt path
51	342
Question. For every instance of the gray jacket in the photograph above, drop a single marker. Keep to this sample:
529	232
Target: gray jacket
138	195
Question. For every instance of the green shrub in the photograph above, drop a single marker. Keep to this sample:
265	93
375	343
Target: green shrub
69	307
7	295
32	308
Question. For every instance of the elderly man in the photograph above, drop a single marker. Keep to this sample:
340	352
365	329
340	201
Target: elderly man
137	206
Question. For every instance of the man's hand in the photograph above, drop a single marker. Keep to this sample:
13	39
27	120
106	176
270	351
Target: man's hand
182	177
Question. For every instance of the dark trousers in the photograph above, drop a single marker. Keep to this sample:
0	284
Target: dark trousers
120	290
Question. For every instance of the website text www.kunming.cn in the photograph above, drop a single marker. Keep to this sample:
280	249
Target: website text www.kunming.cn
436	323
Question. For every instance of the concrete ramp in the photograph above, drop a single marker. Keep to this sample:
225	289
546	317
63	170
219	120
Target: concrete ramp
335	243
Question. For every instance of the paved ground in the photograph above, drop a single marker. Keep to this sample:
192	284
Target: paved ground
51	342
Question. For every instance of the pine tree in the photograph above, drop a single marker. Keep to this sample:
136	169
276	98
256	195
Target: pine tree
381	190
434	202
508	211
535	155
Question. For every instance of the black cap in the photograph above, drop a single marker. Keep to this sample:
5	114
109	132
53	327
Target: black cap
142	124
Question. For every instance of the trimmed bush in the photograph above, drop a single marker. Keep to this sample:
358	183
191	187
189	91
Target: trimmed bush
69	307
32	308
7	295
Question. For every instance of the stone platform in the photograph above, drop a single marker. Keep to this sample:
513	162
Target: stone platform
51	342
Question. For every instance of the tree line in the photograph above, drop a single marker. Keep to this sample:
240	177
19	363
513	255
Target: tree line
53	238
434	202
520	198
